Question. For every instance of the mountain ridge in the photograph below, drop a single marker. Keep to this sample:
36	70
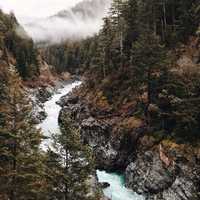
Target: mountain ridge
78	22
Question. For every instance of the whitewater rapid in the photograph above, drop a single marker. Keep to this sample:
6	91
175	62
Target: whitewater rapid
117	189
50	125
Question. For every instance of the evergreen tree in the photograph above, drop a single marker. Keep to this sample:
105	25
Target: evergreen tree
21	48
130	13
105	47
150	67
179	105
118	23
73	163
21	165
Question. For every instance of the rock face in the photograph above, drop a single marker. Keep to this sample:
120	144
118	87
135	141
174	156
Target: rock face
38	113
149	176
44	93
38	97
104	185
93	132
148	171
108	148
98	135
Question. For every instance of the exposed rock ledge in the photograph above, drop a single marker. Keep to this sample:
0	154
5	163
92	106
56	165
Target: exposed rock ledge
145	171
150	176
40	95
108	148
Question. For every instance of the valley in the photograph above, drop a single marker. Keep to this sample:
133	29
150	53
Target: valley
100	101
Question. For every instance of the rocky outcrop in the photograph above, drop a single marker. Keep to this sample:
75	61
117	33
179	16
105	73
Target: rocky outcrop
96	188
109	149
93	132
104	185
38	97
157	173
148	175
98	135
44	93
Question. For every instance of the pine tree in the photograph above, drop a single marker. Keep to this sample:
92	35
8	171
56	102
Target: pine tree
105	47
179	104
118	23
130	13
73	163
21	164
149	66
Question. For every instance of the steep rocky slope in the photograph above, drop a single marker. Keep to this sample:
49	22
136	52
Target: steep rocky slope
158	166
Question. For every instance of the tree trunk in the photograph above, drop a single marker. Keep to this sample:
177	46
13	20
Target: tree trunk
14	168
148	98
163	33
173	18
66	195
14	150
121	48
164	16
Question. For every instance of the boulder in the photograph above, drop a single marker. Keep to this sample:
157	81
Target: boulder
104	185
68	100
44	93
149	176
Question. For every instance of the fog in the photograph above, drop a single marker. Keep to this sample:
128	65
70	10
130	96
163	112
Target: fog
36	8
80	21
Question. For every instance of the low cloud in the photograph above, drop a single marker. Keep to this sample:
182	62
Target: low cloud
83	20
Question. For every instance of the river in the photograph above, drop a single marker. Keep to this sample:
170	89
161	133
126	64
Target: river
117	190
52	109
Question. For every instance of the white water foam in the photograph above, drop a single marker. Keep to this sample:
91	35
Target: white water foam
117	189
50	125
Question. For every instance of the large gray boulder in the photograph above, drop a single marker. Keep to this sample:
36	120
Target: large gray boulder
148	175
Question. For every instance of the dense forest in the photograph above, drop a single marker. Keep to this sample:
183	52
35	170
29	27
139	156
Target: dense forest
136	54
26	171
14	40
137	58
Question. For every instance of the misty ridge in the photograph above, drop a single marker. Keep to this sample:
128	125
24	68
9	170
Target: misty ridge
81	21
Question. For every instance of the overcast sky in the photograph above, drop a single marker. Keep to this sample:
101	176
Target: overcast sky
36	8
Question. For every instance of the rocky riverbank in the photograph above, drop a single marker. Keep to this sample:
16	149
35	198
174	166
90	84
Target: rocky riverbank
110	150
44	101
158	168
39	95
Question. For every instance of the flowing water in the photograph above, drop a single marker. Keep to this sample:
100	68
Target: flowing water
117	190
50	124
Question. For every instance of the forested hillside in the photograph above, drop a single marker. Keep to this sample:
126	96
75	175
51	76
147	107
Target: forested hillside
27	172
17	47
139	56
141	91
